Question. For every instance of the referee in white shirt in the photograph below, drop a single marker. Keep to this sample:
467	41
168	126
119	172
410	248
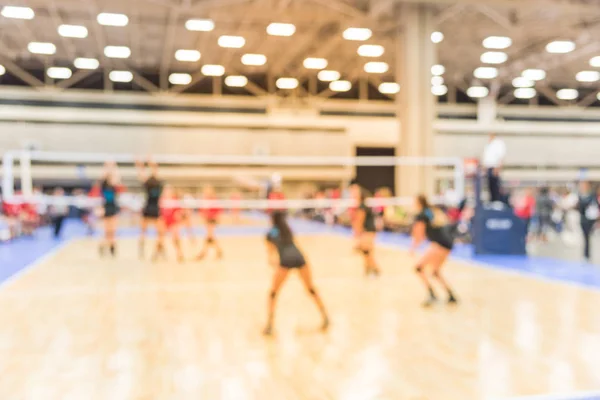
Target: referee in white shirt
493	158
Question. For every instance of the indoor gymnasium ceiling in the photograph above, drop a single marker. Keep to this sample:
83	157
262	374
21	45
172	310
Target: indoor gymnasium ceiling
156	29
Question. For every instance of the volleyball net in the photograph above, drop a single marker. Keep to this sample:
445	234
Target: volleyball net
250	176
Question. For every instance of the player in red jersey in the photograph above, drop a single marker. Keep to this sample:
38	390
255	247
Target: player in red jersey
211	216
171	213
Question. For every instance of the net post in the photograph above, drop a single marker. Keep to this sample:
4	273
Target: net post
8	187
26	178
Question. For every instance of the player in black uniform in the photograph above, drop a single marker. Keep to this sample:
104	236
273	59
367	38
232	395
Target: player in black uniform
441	236
109	189
285	256
151	212
365	230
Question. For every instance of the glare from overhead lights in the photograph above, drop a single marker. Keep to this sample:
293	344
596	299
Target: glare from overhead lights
534	74
438	70
477	92
485	73
376	67
180	79
110	19
588	76
213	70
497	42
236	81
17	12
315	63
357	34
287	83
525	93
598	96
437	37
595	62
560	47
371	50
281	29
117	51
340	86
86	63
185	55
567	94
439	90
41	48
2	70
328	76
73	31
494	57
200	25
437	80
389	88
232	42
254	59
59	73
120	76
522	82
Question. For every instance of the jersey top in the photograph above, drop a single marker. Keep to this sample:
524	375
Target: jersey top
436	234
369	222
154	189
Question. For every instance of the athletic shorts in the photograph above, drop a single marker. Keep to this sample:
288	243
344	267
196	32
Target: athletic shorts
446	243
151	212
291	258
211	220
110	211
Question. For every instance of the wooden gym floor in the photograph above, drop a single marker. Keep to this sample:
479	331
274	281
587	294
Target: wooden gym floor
80	327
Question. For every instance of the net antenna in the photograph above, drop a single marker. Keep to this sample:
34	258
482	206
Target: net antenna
25	159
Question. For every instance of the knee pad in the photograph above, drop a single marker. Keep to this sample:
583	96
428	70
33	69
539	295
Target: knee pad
366	252
273	295
312	291
210	240
436	273
419	269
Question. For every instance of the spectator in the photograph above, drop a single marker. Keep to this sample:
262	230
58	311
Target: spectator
525	206
59	210
493	159
543	210
589	212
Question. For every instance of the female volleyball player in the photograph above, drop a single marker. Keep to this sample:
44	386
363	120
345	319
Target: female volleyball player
441	235
171	214
285	256
365	230
211	215
151	211
110	187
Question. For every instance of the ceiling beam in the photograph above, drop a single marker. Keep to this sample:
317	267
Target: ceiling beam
169	43
77	77
20	72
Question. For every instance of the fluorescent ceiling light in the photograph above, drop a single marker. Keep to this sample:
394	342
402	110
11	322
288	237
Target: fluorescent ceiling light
497	42
438	70
180	79
371	50
17	12
110	19
287	83
120	76
254	59
376	67
494	57
567	94
477	92
73	31
525	93
437	80
236	81
315	63
200	25
560	47
357	34
117	51
595	62
389	88
522	82
486	73
439	90
437	37
588	76
86	63
2	70
213	70
328	76
534	74
185	55
41	48
281	29
59	73
232	42
340	86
